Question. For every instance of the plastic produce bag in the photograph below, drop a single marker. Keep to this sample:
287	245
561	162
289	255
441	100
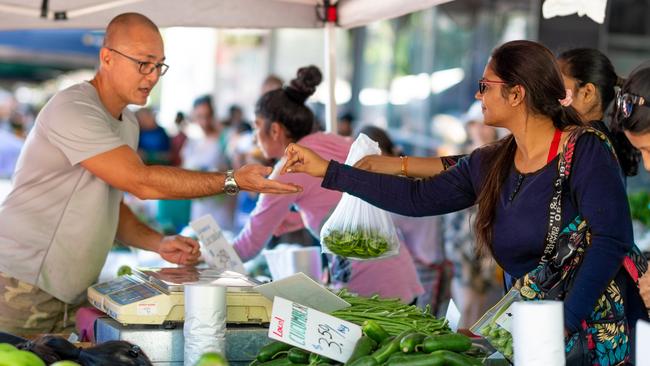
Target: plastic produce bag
357	229
496	324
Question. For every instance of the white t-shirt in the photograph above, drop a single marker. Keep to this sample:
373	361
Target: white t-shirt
59	222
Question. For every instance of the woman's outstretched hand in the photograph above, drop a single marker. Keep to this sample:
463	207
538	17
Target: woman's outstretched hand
299	159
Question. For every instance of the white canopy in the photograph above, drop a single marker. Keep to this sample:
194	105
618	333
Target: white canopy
28	14
95	14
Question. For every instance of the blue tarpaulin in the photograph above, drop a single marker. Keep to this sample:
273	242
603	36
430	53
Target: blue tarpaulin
37	55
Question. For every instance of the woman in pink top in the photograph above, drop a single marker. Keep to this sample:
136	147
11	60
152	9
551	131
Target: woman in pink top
283	118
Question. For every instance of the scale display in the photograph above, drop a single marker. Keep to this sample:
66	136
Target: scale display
134	294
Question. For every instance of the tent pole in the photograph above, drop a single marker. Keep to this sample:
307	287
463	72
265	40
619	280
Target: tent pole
330	77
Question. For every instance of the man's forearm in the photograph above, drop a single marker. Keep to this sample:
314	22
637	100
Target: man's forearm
133	232
174	183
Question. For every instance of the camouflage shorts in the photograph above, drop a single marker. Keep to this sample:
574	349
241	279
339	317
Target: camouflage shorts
27	310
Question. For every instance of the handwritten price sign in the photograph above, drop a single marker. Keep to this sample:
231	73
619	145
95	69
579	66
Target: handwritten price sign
312	330
217	251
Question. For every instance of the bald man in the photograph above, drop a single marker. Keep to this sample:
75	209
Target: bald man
65	210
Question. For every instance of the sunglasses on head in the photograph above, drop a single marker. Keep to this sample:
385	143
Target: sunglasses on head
483	84
625	103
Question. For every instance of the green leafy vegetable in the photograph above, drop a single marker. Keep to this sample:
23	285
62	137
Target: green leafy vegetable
358	244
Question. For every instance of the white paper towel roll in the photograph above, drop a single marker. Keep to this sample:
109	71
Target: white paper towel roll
205	320
538	333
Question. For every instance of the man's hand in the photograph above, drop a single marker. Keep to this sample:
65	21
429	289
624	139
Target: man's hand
252	177
300	159
644	289
180	250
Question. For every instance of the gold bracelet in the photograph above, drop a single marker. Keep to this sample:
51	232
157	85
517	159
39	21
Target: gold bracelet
405	164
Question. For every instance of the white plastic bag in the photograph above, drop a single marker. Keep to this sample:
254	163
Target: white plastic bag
357	229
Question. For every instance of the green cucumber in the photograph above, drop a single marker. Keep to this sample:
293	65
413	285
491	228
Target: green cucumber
457	359
411	341
316	359
279	361
373	330
364	346
298	356
417	360
365	361
451	342
386	341
272	350
382	354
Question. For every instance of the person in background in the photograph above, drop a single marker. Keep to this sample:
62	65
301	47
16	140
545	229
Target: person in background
206	154
591	77
178	140
281	119
65	209
10	146
423	236
632	117
270	83
344	124
512	182
235	117
153	144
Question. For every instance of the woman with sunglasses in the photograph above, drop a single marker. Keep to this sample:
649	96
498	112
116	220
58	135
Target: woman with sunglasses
632	116
512	181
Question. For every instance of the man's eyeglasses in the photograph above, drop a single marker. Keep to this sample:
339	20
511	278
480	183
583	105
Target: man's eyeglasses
483	83
145	67
625	103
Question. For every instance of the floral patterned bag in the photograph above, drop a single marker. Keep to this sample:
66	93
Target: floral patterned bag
603	339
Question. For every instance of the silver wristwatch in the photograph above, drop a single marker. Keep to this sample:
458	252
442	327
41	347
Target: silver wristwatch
230	185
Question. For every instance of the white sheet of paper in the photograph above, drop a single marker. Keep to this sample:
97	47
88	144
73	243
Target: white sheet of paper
453	316
218	252
303	290
642	342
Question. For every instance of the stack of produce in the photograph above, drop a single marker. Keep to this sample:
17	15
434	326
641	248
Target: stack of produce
392	315
377	347
394	334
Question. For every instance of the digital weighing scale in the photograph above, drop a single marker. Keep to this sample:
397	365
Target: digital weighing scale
155	296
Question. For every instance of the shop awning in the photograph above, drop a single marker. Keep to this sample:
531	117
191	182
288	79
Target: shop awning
31	14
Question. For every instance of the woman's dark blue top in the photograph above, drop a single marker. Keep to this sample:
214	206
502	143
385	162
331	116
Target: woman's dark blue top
595	189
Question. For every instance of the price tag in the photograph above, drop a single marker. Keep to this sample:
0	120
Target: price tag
312	330
218	252
505	319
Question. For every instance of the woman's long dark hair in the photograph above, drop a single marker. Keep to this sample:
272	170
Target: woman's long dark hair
287	105
590	66
53	348
534	68
639	121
